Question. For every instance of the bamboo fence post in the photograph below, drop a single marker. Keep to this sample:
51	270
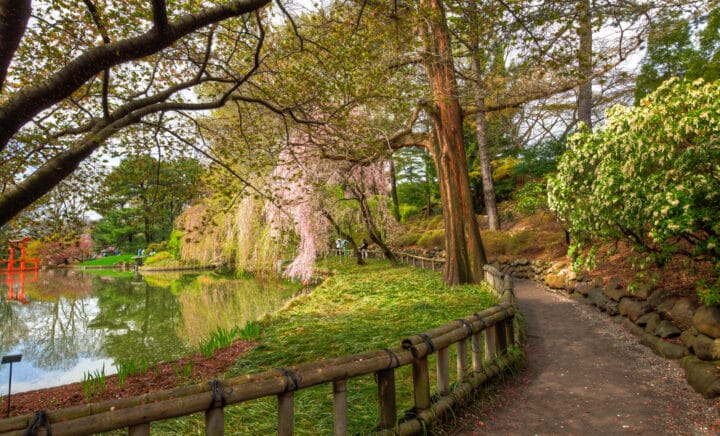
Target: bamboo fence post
477	352
386	398
443	371
510	330
422	263
462	363
339	407
286	413
139	429
421	384
215	421
490	343
501	337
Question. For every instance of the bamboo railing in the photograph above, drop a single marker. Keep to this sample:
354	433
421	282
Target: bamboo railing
489	332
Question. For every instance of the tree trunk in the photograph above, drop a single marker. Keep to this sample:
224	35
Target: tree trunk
465	256
346	236
393	192
372	228
483	151
585	64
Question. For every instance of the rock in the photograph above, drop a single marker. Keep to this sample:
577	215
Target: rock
649	321
665	329
613	283
584	288
599	299
688	337
557	266
642	291
706	348
555	280
615	291
682	313
707	320
665	307
702	376
665	349
633	309
658	297
659	346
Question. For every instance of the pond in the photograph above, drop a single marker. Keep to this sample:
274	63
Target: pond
70	323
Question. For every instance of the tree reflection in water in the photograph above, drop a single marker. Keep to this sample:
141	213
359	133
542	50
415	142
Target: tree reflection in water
76	321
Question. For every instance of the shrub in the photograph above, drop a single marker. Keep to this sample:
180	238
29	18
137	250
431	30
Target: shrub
531	197
649	177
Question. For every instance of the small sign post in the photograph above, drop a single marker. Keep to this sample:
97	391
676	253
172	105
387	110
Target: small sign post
11	358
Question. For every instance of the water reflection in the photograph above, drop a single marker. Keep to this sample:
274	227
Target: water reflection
77	322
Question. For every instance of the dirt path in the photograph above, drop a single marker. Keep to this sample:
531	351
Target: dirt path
586	375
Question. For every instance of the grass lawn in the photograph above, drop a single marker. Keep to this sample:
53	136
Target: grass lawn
356	310
108	261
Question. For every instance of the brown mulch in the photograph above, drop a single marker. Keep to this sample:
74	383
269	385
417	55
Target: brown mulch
681	275
164	376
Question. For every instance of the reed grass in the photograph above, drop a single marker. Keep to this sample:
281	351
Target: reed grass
222	338
126	368
357	309
94	383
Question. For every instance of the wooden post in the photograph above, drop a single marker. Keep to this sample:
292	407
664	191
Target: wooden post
510	330
501	337
477	352
286	413
139	430
386	399
490	343
421	384
214	422
443	371
339	407
462	363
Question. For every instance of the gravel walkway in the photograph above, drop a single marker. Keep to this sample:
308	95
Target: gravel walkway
586	375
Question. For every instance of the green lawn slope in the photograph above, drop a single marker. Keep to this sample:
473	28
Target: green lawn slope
357	309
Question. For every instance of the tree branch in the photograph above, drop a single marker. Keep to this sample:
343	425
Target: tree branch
160	16
14	16
24	105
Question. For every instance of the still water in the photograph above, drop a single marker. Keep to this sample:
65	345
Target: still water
68	323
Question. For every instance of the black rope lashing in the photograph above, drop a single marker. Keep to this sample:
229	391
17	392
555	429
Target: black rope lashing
292	381
394	359
482	321
216	388
41	419
465	324
504	309
428	342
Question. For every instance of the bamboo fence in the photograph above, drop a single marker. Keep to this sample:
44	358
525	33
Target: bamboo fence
489	332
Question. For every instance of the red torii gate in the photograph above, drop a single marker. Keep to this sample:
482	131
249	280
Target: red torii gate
22	264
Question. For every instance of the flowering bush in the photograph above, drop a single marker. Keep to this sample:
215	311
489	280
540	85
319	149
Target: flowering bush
651	176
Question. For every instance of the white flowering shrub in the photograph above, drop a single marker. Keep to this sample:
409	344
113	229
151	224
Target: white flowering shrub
651	177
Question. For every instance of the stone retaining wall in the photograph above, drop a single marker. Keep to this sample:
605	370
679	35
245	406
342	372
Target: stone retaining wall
672	326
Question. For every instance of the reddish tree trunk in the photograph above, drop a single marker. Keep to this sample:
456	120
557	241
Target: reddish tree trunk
465	255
